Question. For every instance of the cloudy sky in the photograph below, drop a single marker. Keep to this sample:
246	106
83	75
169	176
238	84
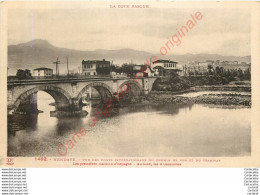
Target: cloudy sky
220	31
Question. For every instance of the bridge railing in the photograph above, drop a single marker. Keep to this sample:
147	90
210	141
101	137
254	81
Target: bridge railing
12	80
15	79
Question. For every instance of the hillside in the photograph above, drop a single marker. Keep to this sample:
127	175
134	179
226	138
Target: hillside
40	53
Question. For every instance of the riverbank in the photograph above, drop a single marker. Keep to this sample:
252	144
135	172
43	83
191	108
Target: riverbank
225	99
239	88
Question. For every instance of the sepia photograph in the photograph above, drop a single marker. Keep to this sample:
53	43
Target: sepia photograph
129	80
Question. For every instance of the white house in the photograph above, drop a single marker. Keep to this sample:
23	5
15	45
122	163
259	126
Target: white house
43	72
161	66
91	67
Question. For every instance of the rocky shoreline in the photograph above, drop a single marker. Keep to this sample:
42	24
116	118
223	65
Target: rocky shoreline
223	100
237	88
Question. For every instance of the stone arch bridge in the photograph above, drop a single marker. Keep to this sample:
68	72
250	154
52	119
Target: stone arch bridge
67	93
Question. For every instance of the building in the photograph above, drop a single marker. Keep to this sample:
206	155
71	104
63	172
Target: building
43	73
161	67
95	67
143	71
204	64
198	67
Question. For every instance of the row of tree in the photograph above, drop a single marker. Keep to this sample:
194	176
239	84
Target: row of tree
230	73
218	76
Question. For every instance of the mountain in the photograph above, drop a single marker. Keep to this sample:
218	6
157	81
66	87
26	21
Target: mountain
40	53
36	43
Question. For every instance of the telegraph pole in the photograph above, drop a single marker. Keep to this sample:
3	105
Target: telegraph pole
57	66
68	65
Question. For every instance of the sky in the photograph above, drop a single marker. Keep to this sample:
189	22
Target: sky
220	31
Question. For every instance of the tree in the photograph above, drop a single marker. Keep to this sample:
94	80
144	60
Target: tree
247	74
27	73
116	68
103	70
23	74
240	74
128	69
210	69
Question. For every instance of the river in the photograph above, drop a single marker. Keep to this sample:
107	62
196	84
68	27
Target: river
137	131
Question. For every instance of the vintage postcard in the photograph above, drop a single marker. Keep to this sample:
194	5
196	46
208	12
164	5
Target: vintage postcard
130	84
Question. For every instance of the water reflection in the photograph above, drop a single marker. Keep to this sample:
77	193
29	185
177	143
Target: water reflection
159	130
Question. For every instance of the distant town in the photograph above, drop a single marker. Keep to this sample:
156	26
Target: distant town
159	68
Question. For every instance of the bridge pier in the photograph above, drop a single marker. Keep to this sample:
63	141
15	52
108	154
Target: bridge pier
29	105
65	110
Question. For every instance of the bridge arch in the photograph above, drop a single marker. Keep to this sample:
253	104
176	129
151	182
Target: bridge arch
103	89
62	98
133	89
